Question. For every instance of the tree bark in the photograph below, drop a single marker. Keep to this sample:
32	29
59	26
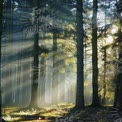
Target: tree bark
80	57
33	102
118	91
35	71
119	78
95	99
1	9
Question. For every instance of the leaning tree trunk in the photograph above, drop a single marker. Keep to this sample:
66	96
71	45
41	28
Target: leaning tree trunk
80	57
95	99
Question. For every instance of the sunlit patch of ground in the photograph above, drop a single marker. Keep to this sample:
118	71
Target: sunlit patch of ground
62	113
57	110
45	114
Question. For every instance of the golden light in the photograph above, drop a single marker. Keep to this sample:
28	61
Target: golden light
109	40
114	29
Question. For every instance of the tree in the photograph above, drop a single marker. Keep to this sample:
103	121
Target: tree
1	6
118	91
54	82
80	56
119	9
95	99
35	64
36	51
119	79
42	78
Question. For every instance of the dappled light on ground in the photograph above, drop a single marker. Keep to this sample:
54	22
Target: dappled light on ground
45	113
62	112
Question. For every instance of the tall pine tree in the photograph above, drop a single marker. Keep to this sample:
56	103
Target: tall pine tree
35	63
1	6
80	56
95	99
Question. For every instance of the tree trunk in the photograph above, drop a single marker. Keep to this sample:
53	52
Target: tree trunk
54	82
118	92
35	71
33	102
120	79
95	99
42	75
119	9
9	30
80	57
1	9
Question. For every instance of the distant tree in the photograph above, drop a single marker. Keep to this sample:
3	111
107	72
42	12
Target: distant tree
8	29
104	51
42	78
36	51
54	82
80	56
95	99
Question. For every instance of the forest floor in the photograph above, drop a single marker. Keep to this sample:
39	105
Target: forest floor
62	113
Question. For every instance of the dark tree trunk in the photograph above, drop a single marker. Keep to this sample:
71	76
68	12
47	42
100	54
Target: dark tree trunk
80	57
9	30
119	78
35	71
1	9
95	99
33	102
42	75
119	9
118	92
54	82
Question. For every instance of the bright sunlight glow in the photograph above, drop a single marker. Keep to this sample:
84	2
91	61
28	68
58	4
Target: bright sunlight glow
109	40
114	29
